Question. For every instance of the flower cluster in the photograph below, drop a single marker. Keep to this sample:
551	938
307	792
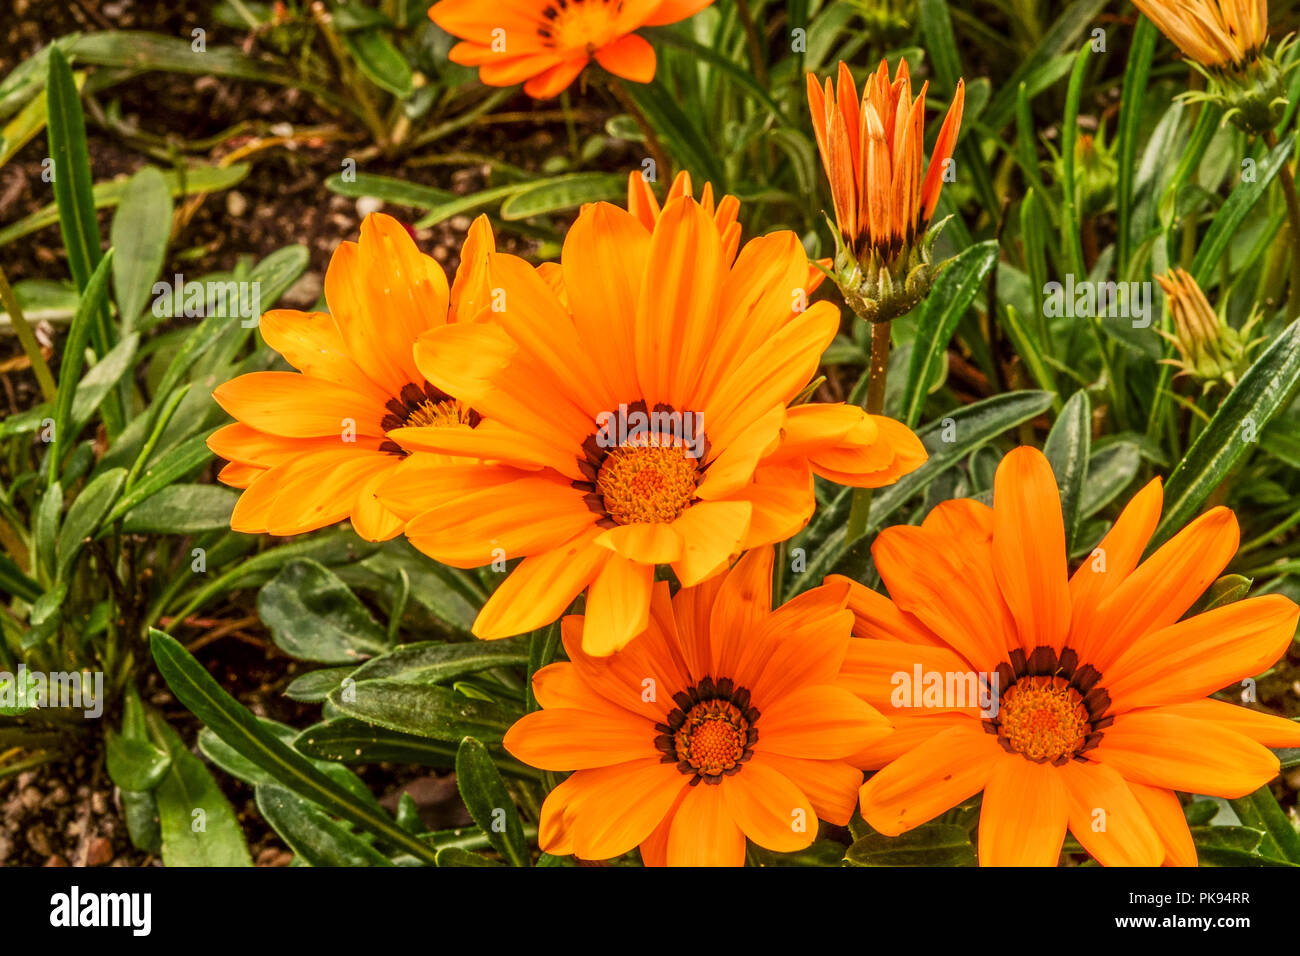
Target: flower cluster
628	432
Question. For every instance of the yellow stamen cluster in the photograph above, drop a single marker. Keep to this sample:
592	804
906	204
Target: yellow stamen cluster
652	481
1043	718
712	740
438	414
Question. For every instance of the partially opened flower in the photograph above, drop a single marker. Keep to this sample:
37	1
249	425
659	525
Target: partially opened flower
884	193
1209	349
1095	709
310	447
545	44
1213	33
721	721
641	420
1225	40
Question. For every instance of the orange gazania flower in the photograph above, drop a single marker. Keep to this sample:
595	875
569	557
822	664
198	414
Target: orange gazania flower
873	153
1101	689
1213	33
310	447
545	44
641	421
721	721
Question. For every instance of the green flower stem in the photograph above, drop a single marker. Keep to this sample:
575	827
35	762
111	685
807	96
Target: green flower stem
877	374
1287	181
663	166
28	339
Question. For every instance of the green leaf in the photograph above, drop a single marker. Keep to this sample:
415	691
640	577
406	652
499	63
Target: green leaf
563	192
390	190
14	581
1226	590
329	548
235	764
734	72
1067	448
134	764
424	710
936	27
437	663
315	617
1234	428
489	802
1075	18
1260	810
314	686
1234	210
1109	472
84	517
276	274
189	456
458	856
198	825
1232	846
354	741
381	62
934	844
45	528
953	292
1136	71
679	134
99	381
196	179
310	833
72	178
195	688
182	509
465	204
93	298
140	231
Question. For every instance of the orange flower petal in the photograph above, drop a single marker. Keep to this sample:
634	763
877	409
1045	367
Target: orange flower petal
1166	750
703	832
769	808
540	588
1023	815
1029	548
1106	817
944	771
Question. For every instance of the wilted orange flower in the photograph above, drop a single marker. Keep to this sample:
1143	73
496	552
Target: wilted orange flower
874	156
1101	710
1214	33
310	447
721	721
545	44
640	421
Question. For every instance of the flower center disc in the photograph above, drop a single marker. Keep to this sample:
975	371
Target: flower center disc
1043	718
577	24
648	480
438	414
713	738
